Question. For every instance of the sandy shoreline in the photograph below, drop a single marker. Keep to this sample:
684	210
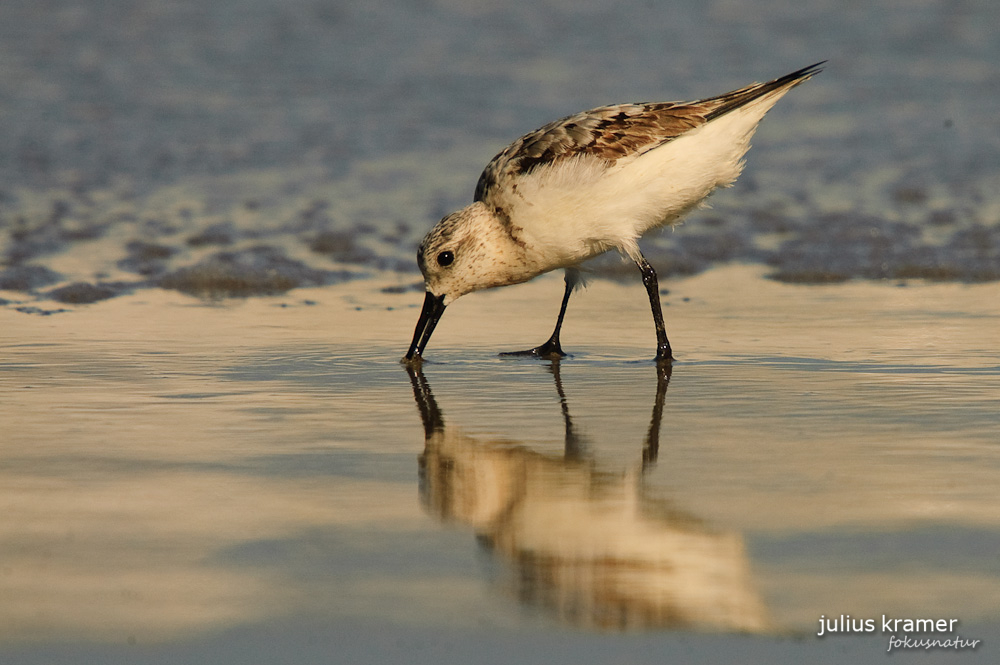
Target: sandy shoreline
154	444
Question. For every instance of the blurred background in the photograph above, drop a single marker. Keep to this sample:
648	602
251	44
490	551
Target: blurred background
142	139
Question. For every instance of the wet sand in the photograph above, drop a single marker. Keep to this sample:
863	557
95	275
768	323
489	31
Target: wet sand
185	477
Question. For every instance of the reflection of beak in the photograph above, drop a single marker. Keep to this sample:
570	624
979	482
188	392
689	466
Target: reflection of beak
429	316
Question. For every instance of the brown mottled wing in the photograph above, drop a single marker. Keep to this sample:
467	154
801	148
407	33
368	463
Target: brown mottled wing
608	133
613	132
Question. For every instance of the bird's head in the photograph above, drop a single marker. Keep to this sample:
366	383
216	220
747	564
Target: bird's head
467	251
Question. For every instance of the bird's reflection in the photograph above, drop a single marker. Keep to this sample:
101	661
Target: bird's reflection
586	545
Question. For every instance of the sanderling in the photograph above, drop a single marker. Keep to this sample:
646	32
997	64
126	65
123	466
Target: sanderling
583	185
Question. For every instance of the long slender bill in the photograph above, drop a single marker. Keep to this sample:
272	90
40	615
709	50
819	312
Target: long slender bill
429	316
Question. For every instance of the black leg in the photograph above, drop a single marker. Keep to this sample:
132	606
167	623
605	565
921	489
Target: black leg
552	348
653	289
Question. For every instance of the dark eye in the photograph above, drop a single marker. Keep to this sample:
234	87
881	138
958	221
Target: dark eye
445	258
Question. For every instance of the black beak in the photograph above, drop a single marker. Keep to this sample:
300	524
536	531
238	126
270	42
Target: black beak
429	317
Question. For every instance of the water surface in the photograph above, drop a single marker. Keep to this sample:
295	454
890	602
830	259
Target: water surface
181	480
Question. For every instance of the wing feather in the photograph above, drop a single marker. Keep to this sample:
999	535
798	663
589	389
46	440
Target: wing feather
613	132
608	133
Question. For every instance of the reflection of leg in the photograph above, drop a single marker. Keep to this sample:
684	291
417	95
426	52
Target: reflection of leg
653	289
574	443
551	349
430	414
651	449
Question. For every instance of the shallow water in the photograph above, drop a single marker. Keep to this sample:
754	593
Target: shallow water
188	482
